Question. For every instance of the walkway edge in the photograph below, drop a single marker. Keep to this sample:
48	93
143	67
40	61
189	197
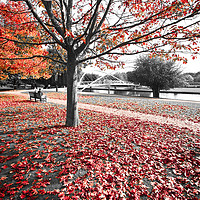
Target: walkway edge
137	115
140	116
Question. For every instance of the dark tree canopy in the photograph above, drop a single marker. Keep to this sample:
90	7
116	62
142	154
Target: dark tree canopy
156	73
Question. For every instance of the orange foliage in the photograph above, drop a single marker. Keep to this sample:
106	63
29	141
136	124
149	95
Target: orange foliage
107	29
16	26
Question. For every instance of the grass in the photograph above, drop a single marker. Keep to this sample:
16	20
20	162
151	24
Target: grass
166	108
106	157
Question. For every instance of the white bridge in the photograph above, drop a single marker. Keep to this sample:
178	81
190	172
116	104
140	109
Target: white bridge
102	83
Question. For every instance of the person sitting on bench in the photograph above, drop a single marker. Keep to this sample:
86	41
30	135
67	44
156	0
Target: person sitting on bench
41	94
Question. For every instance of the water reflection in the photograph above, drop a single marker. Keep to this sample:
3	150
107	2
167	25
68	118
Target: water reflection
129	93
192	97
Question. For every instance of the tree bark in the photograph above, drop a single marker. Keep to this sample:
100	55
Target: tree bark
72	119
156	92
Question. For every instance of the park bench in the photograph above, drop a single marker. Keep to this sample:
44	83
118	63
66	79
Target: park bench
37	95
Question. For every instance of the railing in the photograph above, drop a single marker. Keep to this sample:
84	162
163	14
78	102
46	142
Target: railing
103	83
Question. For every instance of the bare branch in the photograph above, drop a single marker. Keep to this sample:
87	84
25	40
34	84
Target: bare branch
29	43
44	26
89	30
62	15
104	16
136	41
48	7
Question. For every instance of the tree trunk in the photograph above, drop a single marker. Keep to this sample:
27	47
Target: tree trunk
156	92
72	100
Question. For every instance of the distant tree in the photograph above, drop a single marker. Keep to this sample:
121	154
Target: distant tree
131	76
57	69
156	73
197	78
187	78
90	77
122	76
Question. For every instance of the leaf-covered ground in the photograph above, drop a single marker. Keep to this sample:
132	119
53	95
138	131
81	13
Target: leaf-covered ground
181	110
106	157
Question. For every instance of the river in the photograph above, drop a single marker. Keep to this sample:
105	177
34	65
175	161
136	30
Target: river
176	93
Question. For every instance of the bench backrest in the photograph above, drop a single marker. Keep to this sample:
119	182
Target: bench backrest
38	95
35	94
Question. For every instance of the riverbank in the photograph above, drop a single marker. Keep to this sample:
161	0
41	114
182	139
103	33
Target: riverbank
192	94
174	109
172	90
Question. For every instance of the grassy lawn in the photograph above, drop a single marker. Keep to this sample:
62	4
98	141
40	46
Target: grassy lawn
106	157
166	108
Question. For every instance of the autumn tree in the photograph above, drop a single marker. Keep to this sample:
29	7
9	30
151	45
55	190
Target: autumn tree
16	35
156	73
58	70
103	30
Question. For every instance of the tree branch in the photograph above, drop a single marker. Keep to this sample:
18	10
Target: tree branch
43	25
29	43
135	41
104	16
32	57
48	7
89	28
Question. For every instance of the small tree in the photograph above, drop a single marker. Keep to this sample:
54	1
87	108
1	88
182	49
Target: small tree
188	78
197	77
90	77
156	73
185	80
122	76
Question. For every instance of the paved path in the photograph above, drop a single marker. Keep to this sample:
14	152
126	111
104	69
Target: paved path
137	115
141	116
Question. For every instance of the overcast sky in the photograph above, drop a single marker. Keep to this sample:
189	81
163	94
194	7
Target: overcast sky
192	66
